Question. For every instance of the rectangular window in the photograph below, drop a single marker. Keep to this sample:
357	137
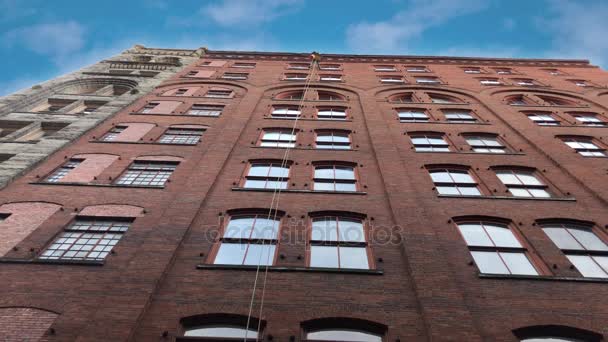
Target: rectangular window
391	79
416	68
285	113
222	94
149	107
186	136
243	65
331	78
585	147
525	82
267	176
295	77
333	140
147	173
472	70
429	143
459	116
454	182
490	81
585	250
542	119
504	71
485	144
52	105
335	178
332	113
181	92
581	83
590	120
299	66
338	242
278	138
113	133
386	68
249	240
495	249
330	67
63	170
235	76
427	80
205	110
86	239
412	115
523	183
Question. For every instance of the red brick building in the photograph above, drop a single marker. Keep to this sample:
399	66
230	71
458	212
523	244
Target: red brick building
368	198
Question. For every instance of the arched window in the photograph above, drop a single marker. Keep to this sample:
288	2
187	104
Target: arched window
330	96
556	101
555	333
278	137
519	100
285	112
429	142
331	113
335	177
291	95
343	330
224	327
445	99
454	181
485	143
267	175
333	139
402	98
223	330
523	182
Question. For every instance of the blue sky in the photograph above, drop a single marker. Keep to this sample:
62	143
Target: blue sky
43	39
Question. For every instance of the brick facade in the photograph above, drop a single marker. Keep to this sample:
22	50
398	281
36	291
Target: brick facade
422	283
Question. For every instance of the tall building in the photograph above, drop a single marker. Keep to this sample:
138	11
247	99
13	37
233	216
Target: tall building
274	197
38	121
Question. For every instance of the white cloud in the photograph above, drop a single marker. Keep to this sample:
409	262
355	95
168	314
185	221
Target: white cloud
249	12
578	30
55	40
392	35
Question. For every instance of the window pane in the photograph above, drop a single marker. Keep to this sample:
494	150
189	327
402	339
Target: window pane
351	230
588	239
602	261
345	172
277	171
561	238
529	179
230	254
461	177
346	187
221	332
265	228
447	190
255	184
343	335
539	193
324	172
469	191
507	177
259	254
323	256
325	229
502	236
239	227
489	262
519	192
474	235
259	170
441	177
587	266
324	186
518	263
353	257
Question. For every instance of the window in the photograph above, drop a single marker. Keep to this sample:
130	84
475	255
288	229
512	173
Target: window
526	82
52	105
518	100
222	331
147	173
504	71
217	93
278	138
186	136
296	77
329	96
429	143
585	250
113	133
87	239
443	99
588	119
391	79
249	240
495	248
581	83
543	119
490	81
384	68
454	182
472	70
88	107
243	65
271	175
427	80
235	76
205	110
181	92
299	66
346	335
403	98
335	178
291	95
333	140
555	333
585	146
459	116
63	170
331	113
287	112
554	101
522	183
331	78
338	242
149	107
416	68
554	72
412	115
485	144
329	67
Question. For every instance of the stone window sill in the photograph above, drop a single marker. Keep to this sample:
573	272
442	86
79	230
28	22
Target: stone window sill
542	278
99	185
52	262
303	191
558	199
290	269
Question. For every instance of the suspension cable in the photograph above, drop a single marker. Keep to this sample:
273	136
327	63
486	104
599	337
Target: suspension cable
276	195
